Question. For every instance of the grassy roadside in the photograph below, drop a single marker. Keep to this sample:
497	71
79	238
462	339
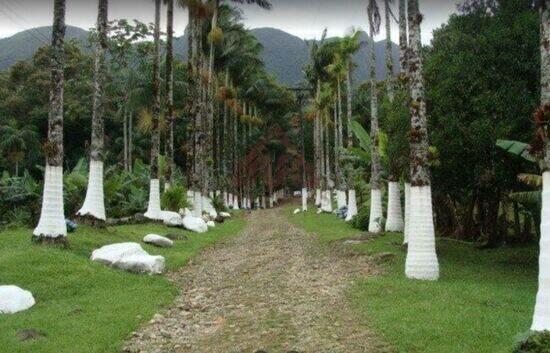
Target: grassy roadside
83	306
482	302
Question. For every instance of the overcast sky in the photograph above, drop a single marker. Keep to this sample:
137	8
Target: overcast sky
303	18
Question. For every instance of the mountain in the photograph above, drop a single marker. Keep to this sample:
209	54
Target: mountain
284	55
23	45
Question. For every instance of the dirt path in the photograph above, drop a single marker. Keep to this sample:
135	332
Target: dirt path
273	289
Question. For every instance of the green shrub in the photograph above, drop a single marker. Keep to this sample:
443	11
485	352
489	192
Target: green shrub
174	199
536	343
218	204
361	221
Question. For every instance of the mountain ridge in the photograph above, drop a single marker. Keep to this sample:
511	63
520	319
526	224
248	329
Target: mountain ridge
284	54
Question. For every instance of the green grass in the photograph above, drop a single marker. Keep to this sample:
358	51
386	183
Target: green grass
483	301
83	306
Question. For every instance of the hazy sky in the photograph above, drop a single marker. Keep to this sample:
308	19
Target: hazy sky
303	18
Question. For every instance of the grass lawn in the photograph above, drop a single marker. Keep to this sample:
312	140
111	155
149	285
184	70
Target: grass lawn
83	306
483	301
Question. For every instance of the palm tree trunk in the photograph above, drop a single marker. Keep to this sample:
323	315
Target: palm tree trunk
403	40
170	118
125	136
421	255
376	193
349	103
541	320
153	210
317	139
130	141
94	203
352	199
389	53
51	226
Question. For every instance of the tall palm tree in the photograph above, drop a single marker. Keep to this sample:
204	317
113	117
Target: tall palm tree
403	80
15	141
541	319
394	222
94	203
350	44
376	170
51	226
153	209
421	260
170	118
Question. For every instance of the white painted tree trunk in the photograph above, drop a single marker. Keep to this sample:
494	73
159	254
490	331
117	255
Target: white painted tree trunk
341	199
541	318
153	210
394	222
52	218
407	213
421	260
94	203
190	198
326	203
264	204
304	199
271	201
375	211
197	204
225	199
235	202
352	205
318	197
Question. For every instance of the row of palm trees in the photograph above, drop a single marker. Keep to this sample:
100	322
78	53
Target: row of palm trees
228	93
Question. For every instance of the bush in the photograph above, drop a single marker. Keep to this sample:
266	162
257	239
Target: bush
174	199
218	204
536	343
361	221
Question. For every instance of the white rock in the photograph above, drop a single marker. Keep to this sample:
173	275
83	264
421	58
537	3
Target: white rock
110	254
211	224
158	240
195	224
171	219
225	215
141	264
14	299
296	211
129	257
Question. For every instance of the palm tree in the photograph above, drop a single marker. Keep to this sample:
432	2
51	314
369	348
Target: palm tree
394	222
51	226
349	45
541	320
170	118
94	203
15	142
376	193
153	209
421	260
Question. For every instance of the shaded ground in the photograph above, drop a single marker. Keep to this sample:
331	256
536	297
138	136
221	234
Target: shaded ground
272	289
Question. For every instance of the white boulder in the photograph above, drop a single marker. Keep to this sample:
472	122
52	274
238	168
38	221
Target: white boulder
110	254
129	257
195	224
148	264
211	224
14	299
158	240
171	219
225	215
296	211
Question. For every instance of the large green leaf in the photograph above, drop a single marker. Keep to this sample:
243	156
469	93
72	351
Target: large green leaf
362	135
527	198
516	148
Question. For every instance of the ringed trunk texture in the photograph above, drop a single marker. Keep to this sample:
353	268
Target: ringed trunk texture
407	213
394	223
541	318
94	203
51	225
352	205
421	260
376	213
